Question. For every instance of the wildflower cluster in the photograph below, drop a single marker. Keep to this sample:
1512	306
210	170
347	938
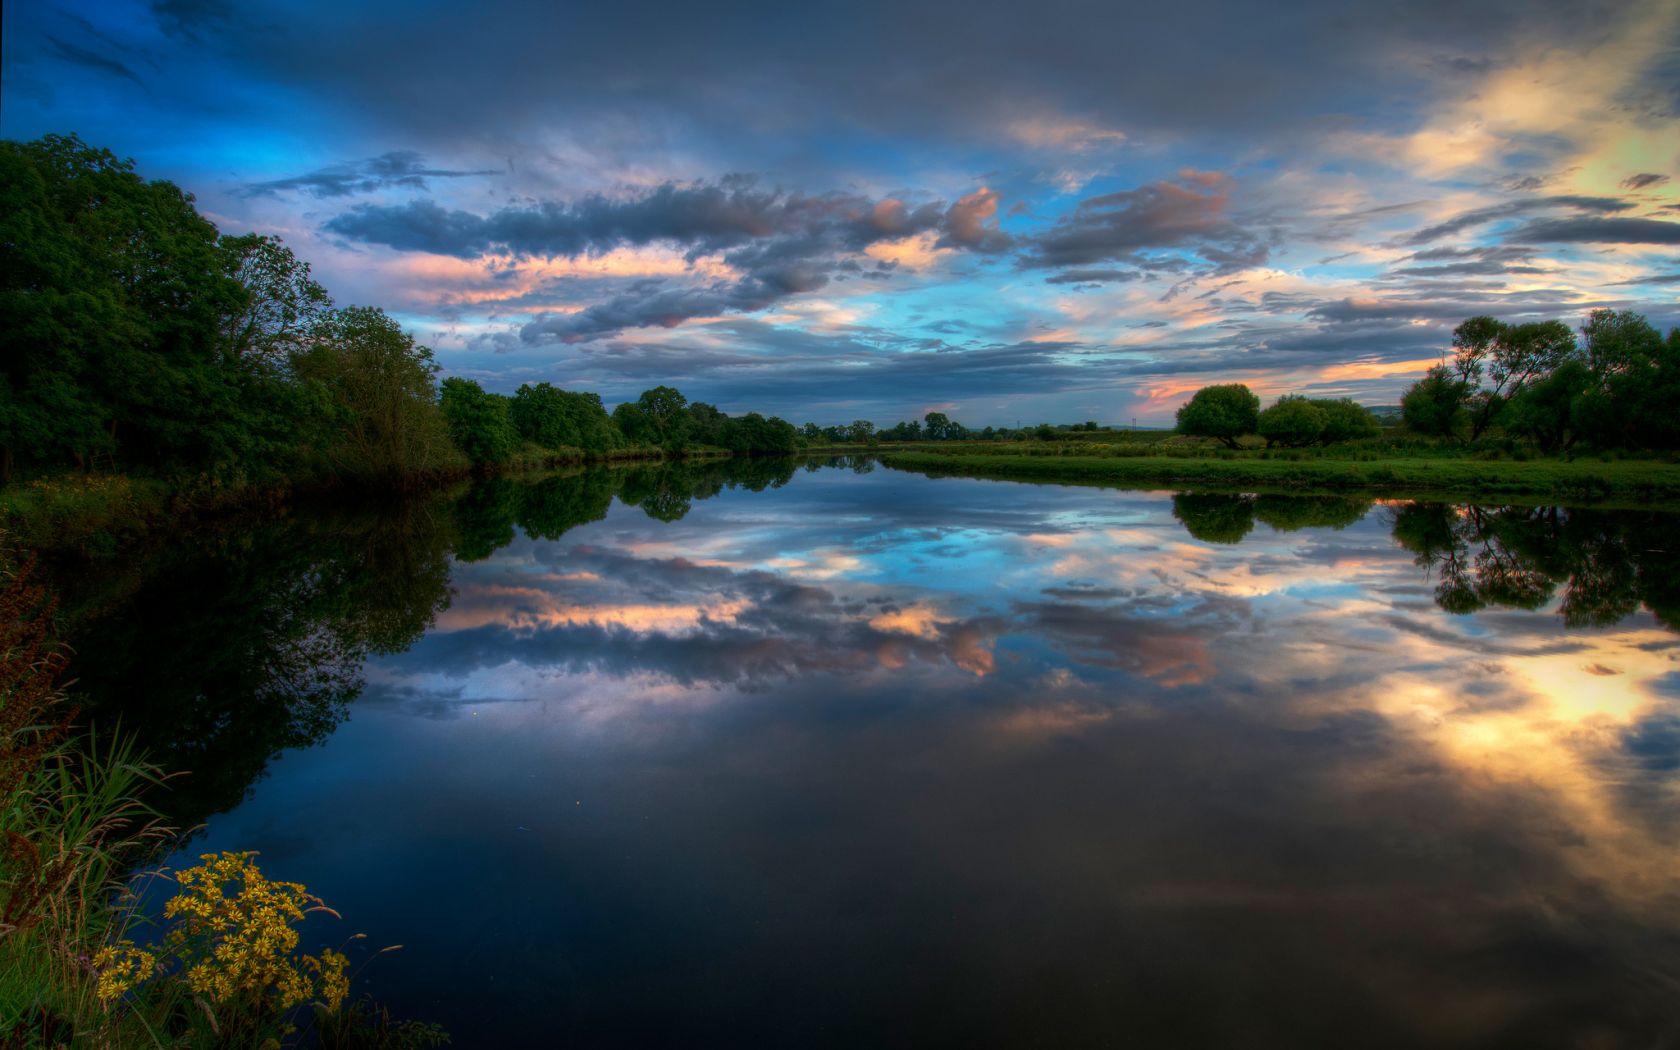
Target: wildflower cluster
122	968
233	936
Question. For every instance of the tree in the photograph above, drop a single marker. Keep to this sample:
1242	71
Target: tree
1432	405
936	426
283	304
1511	356
634	425
1636	383
389	427
1226	412
862	430
114	295
1346	420
538	413
478	421
1292	422
663	406
1548	412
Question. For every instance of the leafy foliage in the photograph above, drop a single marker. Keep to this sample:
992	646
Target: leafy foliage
478	421
1226	411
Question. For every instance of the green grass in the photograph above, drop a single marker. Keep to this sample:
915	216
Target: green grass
1641	482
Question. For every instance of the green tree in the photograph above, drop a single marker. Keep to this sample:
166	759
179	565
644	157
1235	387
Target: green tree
1292	422
709	426
664	408
1346	420
283	304
1509	357
634	425
478	421
114	296
1636	383
383	388
1226	412
1432	405
1548	412
936	426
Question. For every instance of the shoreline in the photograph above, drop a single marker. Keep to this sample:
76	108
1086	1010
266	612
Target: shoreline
1647	484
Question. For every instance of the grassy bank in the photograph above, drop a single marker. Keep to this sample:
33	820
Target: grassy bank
1641	482
98	514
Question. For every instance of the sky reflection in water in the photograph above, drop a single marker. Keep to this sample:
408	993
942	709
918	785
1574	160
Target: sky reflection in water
872	759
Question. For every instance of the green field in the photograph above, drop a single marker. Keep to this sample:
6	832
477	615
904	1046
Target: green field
1631	481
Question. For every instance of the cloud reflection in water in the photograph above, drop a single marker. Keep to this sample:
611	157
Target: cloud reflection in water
874	759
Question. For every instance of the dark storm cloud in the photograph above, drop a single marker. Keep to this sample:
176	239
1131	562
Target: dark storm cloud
939	69
1591	230
1187	213
1643	181
83	57
1513	210
398	168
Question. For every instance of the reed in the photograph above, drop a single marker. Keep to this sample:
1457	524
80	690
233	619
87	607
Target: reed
221	971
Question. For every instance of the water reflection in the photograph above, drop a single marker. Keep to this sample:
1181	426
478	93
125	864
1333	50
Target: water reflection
221	654
769	752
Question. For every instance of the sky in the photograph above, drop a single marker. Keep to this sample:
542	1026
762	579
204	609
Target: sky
1054	211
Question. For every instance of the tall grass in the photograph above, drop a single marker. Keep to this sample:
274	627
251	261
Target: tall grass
222	971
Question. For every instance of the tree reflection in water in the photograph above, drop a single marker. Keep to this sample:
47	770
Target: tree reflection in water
225	651
229	650
1608	563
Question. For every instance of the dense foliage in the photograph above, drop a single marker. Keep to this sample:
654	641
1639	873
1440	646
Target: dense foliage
1615	388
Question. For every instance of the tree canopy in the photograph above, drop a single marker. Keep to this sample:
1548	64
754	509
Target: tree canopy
1226	411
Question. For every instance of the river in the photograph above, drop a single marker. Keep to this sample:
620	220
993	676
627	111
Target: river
820	753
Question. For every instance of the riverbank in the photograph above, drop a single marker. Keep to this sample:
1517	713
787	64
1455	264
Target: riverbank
1635	482
97	514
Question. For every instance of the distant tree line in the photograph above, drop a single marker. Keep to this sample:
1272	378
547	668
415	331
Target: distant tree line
133	334
934	426
1615	387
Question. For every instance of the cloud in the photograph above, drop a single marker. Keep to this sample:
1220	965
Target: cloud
783	242
1661	278
1093	276
1186	213
403	168
1512	210
87	59
1643	181
1590	230
971	223
1460	262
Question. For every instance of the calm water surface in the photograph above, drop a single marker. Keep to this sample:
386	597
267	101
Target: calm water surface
867	759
